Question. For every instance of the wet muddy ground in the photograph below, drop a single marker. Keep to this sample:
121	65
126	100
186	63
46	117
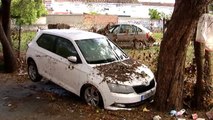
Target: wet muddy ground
21	99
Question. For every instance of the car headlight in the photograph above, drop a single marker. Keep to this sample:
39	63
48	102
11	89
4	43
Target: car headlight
117	88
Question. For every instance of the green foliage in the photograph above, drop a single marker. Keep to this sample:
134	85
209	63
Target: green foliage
154	14
163	15
26	37
93	13
27	10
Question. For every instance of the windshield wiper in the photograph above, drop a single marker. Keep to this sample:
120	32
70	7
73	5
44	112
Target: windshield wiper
102	61
111	59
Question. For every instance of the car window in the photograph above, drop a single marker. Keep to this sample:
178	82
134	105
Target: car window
112	28
126	29
134	29
116	30
47	42
65	48
138	29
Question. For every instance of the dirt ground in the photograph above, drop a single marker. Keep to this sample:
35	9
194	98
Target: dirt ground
21	99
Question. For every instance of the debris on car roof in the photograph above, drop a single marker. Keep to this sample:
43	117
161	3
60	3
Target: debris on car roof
58	26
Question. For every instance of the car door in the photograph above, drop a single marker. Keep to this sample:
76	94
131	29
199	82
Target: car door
141	34
64	72
122	34
43	54
125	36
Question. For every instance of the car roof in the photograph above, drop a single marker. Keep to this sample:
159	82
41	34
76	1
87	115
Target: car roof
72	34
140	26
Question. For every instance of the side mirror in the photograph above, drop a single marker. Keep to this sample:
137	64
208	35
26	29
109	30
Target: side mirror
72	59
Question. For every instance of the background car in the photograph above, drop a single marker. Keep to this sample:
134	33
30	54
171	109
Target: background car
130	36
91	66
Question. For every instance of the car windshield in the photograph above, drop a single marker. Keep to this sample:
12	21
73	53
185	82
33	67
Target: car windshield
100	50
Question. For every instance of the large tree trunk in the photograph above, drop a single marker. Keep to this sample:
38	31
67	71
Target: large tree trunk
6	21
172	56
10	62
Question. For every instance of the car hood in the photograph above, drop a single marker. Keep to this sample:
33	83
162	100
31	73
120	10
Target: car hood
127	72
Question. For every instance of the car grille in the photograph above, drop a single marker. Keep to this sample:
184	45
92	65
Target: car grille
143	88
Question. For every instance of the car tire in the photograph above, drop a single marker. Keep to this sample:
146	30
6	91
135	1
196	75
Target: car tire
33	72
92	96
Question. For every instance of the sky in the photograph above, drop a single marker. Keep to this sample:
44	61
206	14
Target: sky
162	1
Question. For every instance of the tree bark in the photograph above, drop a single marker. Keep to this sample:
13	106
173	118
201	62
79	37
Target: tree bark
199	86
6	21
208	80
10	62
203	75
209	76
172	56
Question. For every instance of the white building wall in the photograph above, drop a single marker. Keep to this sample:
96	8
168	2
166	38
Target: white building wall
133	10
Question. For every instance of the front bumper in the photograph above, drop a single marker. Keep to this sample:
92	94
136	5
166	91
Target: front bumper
127	101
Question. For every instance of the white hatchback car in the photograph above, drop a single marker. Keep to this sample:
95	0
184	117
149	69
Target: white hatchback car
91	66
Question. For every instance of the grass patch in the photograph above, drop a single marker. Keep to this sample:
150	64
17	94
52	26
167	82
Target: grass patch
158	36
147	56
